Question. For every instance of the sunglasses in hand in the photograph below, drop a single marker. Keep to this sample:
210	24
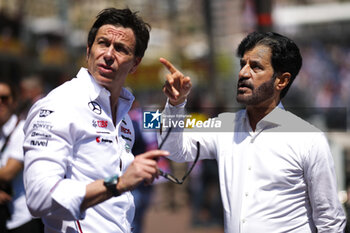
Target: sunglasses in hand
171	177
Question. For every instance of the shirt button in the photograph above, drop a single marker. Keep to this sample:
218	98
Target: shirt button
246	194
250	168
243	220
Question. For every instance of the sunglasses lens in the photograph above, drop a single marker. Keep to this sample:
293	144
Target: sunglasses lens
4	98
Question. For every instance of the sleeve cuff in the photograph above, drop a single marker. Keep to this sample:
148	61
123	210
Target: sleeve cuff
176	106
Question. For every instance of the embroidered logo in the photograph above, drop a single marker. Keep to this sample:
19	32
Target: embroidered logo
95	107
125	130
39	134
127	148
42	125
126	138
100	124
103	140
39	143
45	112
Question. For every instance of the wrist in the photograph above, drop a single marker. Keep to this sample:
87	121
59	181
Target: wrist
177	102
111	184
120	185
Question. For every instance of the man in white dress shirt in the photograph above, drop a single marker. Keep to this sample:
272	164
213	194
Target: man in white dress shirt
276	171
79	168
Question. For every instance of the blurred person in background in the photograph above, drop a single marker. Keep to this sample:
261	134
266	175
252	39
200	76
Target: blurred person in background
276	170
15	216
79	169
32	89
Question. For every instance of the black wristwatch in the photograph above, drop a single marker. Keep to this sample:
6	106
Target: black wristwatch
111	185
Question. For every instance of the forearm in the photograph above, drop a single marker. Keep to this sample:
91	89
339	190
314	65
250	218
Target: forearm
96	192
10	170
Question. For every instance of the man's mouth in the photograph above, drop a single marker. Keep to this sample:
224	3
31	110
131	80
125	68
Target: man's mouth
242	87
105	68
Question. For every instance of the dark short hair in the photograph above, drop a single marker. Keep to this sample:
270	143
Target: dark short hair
125	18
285	53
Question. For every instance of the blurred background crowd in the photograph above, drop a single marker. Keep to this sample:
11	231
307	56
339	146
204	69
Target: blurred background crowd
43	44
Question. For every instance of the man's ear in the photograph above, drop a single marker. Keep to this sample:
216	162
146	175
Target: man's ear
137	61
282	81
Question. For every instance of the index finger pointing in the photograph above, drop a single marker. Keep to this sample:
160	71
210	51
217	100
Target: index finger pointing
168	65
153	154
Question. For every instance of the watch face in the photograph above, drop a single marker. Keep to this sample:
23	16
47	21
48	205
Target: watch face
111	184
112	179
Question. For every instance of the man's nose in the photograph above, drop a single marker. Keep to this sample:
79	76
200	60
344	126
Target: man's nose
245	71
108	55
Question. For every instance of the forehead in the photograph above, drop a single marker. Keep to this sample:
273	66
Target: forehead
116	32
4	89
260	53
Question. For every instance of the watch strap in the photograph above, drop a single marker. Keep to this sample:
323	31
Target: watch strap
111	184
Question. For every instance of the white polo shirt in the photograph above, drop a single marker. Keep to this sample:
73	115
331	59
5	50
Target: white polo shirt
71	141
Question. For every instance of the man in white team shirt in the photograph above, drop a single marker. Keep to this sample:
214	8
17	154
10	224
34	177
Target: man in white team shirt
276	171
79	168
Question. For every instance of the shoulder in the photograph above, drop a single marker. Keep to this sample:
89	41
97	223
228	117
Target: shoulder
293	123
230	119
57	107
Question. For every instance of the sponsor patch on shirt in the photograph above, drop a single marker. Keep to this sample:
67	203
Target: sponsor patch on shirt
45	112
42	125
39	143
99	123
127	147
40	134
125	130
103	140
126	138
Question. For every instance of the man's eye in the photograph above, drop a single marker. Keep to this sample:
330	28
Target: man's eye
121	49
256	67
102	42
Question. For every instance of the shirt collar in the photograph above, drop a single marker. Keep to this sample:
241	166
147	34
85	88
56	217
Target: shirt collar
272	119
95	90
125	101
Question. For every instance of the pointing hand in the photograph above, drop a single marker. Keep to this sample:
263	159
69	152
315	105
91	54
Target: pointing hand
177	86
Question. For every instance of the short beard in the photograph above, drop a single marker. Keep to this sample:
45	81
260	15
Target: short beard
260	94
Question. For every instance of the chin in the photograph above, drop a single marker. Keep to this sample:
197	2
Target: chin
242	99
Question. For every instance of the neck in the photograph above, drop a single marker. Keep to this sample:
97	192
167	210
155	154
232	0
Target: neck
113	99
258	112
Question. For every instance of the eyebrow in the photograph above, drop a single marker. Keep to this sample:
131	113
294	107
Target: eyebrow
115	43
252	61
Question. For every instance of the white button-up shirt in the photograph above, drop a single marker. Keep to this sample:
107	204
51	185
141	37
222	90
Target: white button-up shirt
13	149
278	178
71	141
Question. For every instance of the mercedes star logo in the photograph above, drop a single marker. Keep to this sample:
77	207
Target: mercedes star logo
95	107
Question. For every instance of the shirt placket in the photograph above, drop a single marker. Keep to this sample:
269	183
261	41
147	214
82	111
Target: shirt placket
248	171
